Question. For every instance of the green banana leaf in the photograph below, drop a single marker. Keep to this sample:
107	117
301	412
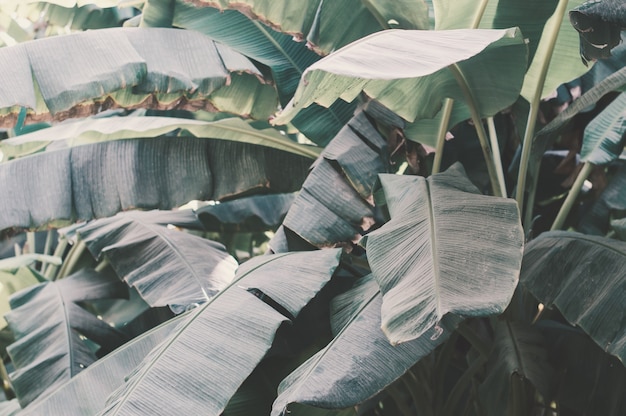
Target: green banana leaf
99	180
583	276
128	67
611	202
285	58
168	381
406	69
619	226
248	214
327	26
599	24
49	317
519	351
94	130
446	249
167	267
11	283
86	393
333	206
603	141
359	362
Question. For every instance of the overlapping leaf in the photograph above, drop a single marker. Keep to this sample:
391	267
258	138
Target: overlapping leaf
99	180
167	267
446	249
405	69
583	276
359	362
226	338
127	67
49	327
604	135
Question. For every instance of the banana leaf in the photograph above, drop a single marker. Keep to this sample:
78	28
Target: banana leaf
327	26
99	180
50	327
285	58
405	69
168	381
167	267
603	141
519	351
86	393
599	24
127	67
447	248
95	130
249	214
359	362
582	276
11	283
332	206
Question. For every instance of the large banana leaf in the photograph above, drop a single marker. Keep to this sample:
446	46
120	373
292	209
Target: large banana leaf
327	26
50	326
92	130
225	339
583	276
128	67
446	249
598	24
519	351
167	267
286	59
11	283
99	180
359	362
86	393
332	206
405	69
603	141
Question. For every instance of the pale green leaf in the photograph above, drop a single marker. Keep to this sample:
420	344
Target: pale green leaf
446	249
405	69
11	283
26	260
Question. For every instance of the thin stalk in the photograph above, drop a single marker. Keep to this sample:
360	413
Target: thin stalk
480	129
534	106
479	14
495	148
7	388
46	250
52	269
446	113
571	196
102	265
30	242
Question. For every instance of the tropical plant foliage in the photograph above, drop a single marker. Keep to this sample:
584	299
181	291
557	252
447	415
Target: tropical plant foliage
313	207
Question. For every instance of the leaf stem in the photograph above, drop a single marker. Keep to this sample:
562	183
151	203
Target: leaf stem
480	129
572	196
446	113
495	148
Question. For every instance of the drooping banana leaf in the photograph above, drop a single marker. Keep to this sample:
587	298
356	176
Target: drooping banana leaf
254	213
603	141
359	362
86	393
519	351
94	130
599	24
167	267
327	26
128	67
332	206
226	338
50	327
285	58
406	69
583	276
446	249
98	180
11	283
77	16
